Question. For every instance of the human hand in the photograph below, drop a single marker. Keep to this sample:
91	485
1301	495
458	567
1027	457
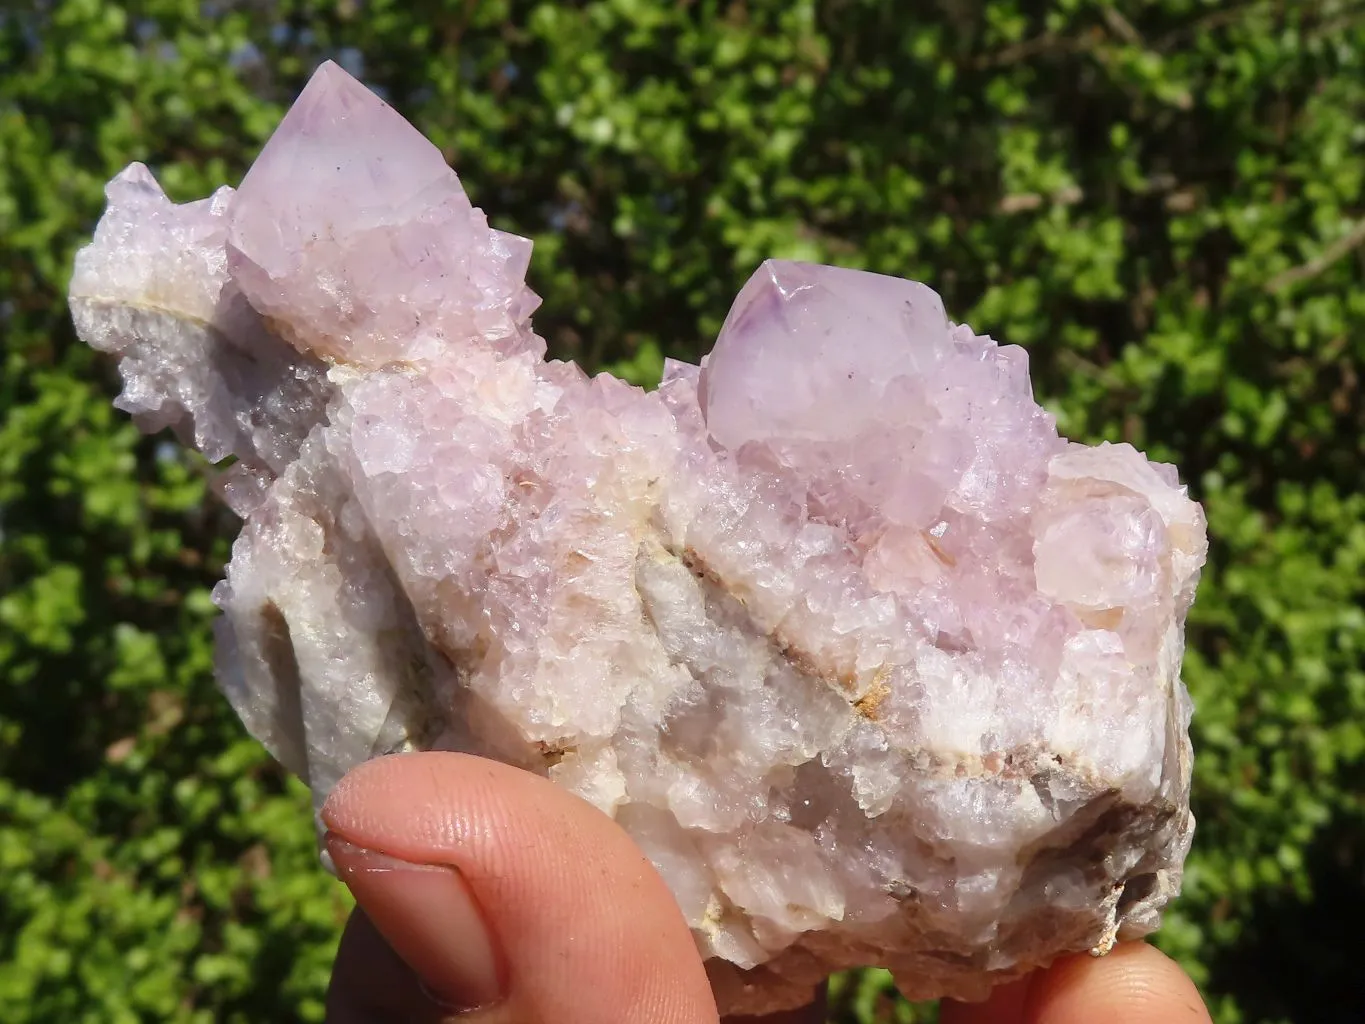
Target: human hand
510	901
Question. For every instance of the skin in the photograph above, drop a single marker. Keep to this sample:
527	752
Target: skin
488	895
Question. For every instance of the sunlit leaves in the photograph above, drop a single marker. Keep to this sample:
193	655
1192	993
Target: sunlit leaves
1162	201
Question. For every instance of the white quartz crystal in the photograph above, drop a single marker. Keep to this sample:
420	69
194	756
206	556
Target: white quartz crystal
874	666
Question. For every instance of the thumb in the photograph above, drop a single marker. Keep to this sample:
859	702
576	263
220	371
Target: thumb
510	898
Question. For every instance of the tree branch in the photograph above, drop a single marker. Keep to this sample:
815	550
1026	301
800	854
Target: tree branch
1338	250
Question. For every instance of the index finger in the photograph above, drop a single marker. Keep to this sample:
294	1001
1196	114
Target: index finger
1134	984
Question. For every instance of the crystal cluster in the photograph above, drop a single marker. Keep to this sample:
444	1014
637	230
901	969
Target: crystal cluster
874	666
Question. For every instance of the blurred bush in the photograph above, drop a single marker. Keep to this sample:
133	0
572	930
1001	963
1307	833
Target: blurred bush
1162	200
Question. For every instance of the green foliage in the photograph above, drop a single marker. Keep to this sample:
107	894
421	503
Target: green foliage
1161	200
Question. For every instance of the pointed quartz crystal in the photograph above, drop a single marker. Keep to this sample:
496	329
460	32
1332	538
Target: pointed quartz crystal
809	352
354	237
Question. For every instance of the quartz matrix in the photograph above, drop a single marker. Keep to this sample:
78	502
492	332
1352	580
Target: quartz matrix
873	665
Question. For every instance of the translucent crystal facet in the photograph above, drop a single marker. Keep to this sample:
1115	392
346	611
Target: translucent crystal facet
871	663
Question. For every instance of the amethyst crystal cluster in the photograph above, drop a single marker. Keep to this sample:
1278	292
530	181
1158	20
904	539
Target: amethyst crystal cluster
874	666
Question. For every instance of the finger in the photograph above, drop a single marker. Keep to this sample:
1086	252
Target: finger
371	985
1134	984
505	891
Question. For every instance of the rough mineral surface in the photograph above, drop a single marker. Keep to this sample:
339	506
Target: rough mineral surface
874	666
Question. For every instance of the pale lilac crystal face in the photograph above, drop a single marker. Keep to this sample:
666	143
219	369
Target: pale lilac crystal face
873	665
813	353
356	239
860	385
338	149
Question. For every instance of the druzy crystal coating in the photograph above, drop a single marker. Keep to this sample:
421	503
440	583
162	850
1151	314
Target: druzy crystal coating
873	665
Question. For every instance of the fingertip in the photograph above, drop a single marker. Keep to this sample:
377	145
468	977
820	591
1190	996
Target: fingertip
355	783
383	779
1135	984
